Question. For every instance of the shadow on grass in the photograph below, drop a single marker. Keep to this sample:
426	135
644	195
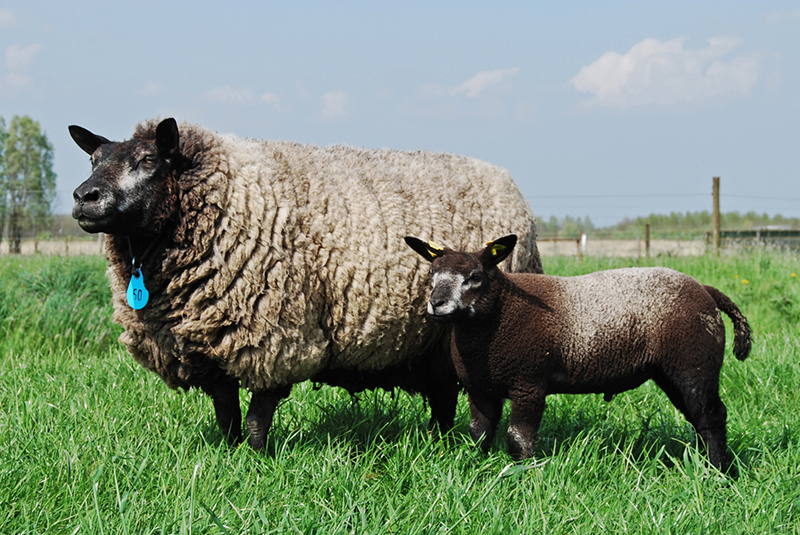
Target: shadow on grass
310	420
375	418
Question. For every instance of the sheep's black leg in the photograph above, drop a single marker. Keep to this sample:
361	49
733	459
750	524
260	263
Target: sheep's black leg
260	414
523	424
675	396
443	399
485	412
704	409
711	424
224	391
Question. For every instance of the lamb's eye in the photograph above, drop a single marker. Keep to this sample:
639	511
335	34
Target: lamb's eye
150	158
475	278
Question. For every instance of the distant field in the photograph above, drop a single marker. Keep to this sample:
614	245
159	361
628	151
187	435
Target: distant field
622	248
72	247
604	247
91	443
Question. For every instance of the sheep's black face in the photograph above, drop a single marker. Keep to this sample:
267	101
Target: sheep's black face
458	281
128	191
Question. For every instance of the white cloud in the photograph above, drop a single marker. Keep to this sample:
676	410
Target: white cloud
475	85
228	94
666	73
431	92
18	57
270	98
335	104
17	80
779	17
6	17
152	89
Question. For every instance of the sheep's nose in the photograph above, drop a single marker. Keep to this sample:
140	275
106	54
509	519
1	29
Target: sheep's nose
82	195
437	303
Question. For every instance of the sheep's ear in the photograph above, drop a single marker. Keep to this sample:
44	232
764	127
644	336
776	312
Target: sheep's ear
167	137
86	140
498	250
428	250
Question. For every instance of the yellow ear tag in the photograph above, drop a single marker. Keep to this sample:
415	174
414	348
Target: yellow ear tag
496	248
435	249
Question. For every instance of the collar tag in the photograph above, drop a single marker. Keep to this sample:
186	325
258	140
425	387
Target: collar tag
137	293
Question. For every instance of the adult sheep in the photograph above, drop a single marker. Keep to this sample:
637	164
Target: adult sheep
524	336
262	264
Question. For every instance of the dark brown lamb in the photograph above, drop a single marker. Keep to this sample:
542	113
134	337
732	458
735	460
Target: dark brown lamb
524	336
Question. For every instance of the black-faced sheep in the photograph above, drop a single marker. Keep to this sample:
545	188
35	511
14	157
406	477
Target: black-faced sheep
269	263
523	336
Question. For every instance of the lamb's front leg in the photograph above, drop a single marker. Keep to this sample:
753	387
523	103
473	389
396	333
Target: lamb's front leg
260	414
527	409
224	391
485	411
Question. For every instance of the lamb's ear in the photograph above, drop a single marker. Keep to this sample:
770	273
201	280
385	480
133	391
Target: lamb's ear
86	140
167	137
498	250
428	250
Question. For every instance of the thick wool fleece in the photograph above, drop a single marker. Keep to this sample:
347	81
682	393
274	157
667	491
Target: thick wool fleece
288	259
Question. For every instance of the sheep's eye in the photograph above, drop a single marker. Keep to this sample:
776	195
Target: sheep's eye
474	278
150	159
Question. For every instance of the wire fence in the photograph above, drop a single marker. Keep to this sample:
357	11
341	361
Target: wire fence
60	234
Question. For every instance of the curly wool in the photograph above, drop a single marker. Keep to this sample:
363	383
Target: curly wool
287	259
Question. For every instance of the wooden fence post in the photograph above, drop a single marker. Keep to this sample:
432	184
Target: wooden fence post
647	240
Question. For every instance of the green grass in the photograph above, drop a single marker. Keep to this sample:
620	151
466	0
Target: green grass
92	443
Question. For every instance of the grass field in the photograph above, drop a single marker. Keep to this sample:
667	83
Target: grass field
91	443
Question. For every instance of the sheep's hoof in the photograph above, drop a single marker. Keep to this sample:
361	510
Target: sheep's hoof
258	435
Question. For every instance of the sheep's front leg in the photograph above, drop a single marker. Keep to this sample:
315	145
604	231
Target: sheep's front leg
523	423
260	414
224	391
485	414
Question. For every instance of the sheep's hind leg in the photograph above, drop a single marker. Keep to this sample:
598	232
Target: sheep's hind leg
711	424
224	391
443	399
485	414
260	414
706	412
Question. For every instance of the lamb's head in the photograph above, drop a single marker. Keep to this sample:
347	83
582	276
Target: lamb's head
461	282
129	191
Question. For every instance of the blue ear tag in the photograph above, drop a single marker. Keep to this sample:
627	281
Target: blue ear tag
137	293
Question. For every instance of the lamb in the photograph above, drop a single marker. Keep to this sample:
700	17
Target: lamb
524	336
260	264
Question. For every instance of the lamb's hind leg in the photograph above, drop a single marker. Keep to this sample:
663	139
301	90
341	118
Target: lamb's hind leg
699	401
260	414
711	423
224	391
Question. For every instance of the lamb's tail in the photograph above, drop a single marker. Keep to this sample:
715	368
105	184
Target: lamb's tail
741	329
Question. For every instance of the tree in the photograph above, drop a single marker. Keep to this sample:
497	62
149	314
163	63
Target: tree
27	180
3	203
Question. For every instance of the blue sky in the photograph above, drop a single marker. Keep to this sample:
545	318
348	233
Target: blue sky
599	109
